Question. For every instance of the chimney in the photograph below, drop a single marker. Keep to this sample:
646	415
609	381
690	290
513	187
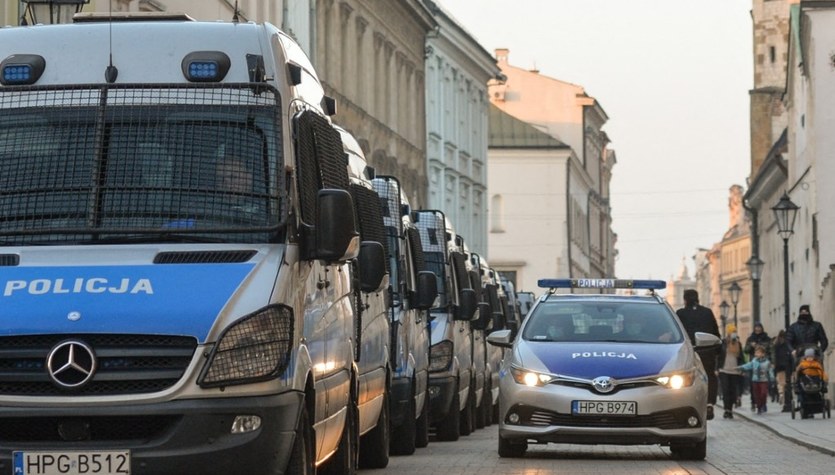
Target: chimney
501	55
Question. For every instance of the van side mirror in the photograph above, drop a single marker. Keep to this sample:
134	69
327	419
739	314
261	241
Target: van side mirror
337	239
427	290
467	305
372	264
483	319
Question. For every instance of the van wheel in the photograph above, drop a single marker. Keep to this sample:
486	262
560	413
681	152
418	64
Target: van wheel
496	412
344	461
403	437
468	414
301	459
697	451
422	424
374	446
481	411
449	427
512	449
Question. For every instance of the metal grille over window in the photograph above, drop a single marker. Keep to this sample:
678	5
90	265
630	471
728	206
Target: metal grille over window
83	164
459	266
389	190
370	217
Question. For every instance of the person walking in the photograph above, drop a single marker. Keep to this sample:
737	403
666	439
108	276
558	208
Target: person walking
731	357
758	337
806	332
781	356
698	318
762	373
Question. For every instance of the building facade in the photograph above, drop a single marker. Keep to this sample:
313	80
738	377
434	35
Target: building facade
568	114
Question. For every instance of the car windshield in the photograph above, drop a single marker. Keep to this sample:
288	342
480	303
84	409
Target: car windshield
616	321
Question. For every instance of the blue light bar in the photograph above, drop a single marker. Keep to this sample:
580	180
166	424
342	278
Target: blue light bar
601	284
20	69
206	66
202	70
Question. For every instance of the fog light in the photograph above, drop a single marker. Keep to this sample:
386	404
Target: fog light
434	391
693	421
513	418
244	424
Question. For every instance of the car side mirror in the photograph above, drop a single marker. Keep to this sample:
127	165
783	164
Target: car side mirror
467	305
427	290
502	338
337	239
705	340
372	266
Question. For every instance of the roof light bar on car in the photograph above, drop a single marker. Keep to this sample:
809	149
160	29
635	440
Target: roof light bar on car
206	66
21	69
601	284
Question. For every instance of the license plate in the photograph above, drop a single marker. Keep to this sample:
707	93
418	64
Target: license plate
72	463
605	408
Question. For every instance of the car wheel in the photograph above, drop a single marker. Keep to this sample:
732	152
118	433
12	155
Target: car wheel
449	427
422	425
403	436
512	449
468	413
344	461
302	458
697	451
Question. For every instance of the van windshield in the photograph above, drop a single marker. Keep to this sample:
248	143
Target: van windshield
131	164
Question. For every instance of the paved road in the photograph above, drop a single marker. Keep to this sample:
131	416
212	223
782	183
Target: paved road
734	447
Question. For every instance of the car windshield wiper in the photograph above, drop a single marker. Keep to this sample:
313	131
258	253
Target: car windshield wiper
155	238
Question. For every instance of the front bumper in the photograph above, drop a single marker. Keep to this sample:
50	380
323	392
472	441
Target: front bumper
175	437
544	414
441	393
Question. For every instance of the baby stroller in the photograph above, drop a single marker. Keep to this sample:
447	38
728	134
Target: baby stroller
810	394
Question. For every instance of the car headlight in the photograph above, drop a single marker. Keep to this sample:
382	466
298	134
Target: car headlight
440	356
677	380
254	348
530	378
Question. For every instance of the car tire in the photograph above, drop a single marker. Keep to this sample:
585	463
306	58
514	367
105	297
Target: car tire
449	427
302	458
422	425
374	445
511	449
697	451
403	437
468	413
344	461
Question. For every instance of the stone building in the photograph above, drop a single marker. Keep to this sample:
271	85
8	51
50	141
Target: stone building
678	284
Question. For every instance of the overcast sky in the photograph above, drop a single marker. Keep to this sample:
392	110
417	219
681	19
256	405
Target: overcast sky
673	76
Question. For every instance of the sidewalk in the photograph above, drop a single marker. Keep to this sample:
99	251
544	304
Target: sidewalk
817	433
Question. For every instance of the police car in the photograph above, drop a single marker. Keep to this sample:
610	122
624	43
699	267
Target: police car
597	366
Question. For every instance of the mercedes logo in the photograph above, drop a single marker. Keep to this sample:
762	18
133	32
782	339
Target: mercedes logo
603	384
71	364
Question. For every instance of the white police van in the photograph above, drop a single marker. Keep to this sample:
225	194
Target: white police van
413	291
450	353
176	235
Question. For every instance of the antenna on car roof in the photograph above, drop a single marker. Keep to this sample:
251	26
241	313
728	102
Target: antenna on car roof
111	72
235	17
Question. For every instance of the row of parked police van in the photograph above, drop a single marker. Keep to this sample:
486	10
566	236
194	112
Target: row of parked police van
201	273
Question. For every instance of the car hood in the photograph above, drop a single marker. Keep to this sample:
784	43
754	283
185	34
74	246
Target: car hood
588	360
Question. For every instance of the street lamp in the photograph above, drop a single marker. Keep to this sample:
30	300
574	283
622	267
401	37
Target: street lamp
735	289
755	270
785	212
723	314
51	12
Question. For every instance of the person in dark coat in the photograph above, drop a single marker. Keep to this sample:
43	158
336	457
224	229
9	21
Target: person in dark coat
698	318
781	355
757	338
806	332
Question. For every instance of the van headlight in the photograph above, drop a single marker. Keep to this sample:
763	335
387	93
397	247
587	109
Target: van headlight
677	380
255	348
440	356
530	378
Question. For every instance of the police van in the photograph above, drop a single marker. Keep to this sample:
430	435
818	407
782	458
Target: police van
413	291
450	353
177	235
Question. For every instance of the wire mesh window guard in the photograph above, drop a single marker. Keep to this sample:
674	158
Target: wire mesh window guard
136	163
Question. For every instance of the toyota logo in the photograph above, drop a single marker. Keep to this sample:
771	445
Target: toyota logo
71	364
603	384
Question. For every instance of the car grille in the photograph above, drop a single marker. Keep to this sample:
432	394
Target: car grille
126	364
673	419
74	429
618	386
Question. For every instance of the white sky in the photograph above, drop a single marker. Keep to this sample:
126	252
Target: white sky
673	76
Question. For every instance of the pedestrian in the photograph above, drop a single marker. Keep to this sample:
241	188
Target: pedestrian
731	357
762	373
758	337
783	367
698	318
809	367
806	332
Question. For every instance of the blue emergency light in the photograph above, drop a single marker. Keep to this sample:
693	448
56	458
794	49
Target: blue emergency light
21	69
206	66
601	284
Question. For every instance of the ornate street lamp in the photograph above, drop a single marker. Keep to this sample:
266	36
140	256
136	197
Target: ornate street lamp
785	212
723	315
735	289
51	12
755	270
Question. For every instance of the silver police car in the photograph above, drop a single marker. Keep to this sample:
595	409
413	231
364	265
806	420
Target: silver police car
602	368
